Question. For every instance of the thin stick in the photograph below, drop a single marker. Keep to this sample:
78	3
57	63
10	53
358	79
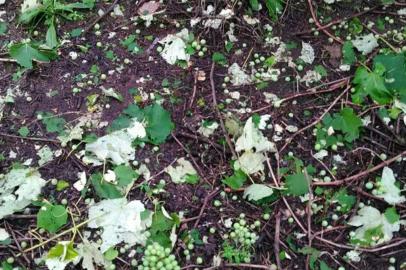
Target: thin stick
194	89
215	106
18	244
315	122
28	138
362	173
55	237
277	239
308	92
110	9
205	202
319	26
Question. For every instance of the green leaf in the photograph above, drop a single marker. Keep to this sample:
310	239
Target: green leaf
219	58
125	175
31	13
372	84
229	45
25	53
52	123
346	201
395	70
192	179
380	24
131	44
324	266
314	254
236	180
61	185
347	122
6	266
76	32
51	39
321	70
64	251
197	238
52	217
3	28
110	254
24	131
297	184
159	123
270	61
355	26
274	8
349	57
160	229
254	5
391	215
104	189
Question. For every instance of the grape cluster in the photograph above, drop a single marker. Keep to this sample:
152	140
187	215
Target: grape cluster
156	257
242	234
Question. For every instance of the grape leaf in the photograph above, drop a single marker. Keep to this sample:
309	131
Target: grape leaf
23	131
395	72
160	229
64	250
219	58
274	8
3	28
347	122
52	217
104	189
159	123
391	215
348	53
297	184
125	175
372	84
25	53
52	123
236	180
346	201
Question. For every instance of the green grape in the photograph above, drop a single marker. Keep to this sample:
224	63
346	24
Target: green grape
158	257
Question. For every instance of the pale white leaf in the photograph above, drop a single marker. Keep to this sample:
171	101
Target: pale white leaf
256	192
208	130
307	53
91	255
387	188
3	235
365	44
238	76
45	155
253	139
121	222
181	171
250	162
18	188
175	47
370	218
116	146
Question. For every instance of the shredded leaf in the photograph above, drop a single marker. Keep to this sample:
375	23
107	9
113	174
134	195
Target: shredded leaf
131	228
18	188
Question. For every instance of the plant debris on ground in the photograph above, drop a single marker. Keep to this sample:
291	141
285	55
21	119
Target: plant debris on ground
188	134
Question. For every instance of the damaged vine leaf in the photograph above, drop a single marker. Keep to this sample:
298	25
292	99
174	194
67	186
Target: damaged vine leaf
132	226
19	187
